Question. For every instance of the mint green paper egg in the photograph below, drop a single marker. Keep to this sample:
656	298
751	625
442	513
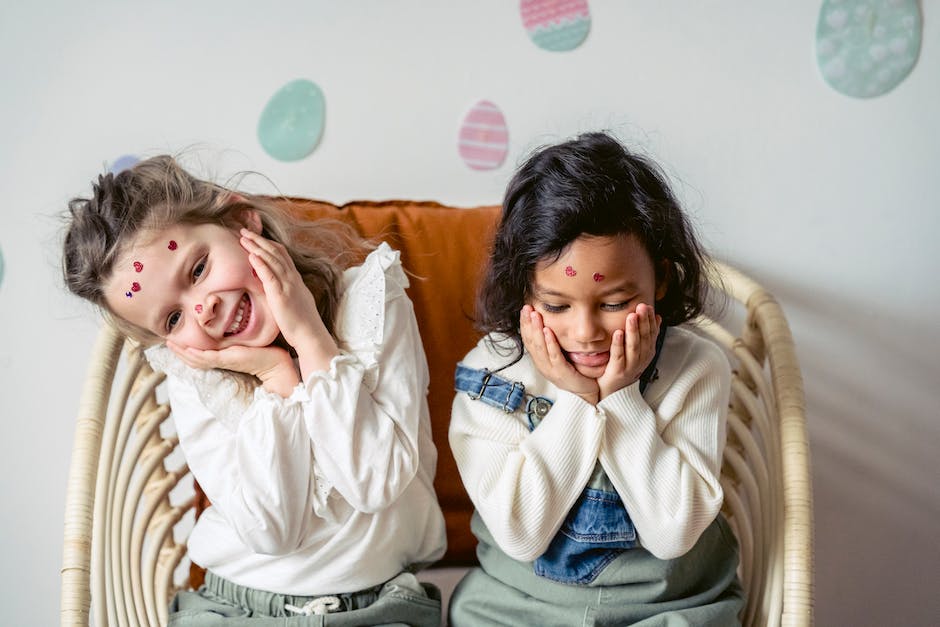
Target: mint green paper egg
865	48
292	122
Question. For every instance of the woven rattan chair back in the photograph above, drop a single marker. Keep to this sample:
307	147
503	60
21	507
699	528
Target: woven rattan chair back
129	507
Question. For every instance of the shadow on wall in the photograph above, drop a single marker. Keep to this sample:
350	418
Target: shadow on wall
871	379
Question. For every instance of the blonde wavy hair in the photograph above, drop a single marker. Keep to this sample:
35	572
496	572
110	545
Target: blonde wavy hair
159	192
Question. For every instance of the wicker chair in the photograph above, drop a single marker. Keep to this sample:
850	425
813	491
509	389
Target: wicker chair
131	503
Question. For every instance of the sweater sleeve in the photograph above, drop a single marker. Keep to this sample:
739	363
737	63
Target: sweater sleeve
524	483
666	464
256	468
364	414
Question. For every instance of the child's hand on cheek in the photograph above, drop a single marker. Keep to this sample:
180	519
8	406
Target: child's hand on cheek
631	350
271	364
292	305
540	342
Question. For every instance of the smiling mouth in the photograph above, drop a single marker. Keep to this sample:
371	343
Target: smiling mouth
242	317
599	358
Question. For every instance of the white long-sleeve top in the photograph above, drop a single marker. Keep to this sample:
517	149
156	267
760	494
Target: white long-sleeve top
662	452
329	490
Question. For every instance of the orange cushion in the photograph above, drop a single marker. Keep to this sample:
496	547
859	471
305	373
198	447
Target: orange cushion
445	251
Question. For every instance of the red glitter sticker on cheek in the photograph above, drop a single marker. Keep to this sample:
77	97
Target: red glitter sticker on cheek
598	277
138	266
198	308
135	286
172	244
570	271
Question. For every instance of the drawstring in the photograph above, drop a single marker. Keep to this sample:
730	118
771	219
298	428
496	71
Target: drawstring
316	607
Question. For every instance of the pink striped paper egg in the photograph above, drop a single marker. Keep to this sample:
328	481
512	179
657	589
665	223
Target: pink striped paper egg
484	138
556	25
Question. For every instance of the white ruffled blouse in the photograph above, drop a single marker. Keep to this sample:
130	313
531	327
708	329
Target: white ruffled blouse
331	489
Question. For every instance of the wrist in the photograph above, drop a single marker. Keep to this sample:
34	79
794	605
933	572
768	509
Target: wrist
281	378
591	398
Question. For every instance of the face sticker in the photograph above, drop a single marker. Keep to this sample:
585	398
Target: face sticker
128	294
172	244
198	309
570	271
135	286
598	277
138	267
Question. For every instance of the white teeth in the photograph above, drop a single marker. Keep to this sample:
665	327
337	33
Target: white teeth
236	323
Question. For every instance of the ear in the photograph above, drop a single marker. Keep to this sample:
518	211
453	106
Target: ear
663	275
250	219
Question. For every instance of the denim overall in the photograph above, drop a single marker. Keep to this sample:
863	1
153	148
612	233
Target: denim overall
598	528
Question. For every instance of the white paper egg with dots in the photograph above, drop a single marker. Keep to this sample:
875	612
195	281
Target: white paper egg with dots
556	25
865	48
484	138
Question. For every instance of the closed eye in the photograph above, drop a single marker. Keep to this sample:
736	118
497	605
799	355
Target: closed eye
615	306
553	308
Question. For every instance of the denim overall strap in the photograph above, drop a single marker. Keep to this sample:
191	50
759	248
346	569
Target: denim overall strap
483	385
598	528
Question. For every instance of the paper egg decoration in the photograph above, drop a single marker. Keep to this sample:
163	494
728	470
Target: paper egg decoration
864	48
292	121
484	138
122	163
556	25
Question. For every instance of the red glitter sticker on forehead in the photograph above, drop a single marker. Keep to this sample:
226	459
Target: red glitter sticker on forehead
172	244
135	286
598	277
570	271
138	266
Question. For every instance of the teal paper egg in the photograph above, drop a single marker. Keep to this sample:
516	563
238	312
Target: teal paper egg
864	48
292	121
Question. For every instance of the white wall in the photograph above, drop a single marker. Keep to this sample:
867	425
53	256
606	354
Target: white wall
831	202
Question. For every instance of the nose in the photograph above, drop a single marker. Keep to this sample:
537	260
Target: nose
587	328
205	308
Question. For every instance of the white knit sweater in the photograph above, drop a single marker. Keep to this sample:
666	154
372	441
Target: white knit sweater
331	489
662	452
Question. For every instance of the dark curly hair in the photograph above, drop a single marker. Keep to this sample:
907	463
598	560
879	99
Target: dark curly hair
591	185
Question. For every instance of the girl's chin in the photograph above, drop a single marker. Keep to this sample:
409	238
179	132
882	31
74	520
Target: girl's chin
590	373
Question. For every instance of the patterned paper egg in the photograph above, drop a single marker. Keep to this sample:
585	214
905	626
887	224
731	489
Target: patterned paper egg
556	25
122	163
292	121
484	138
864	48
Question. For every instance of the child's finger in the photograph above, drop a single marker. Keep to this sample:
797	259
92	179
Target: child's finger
257	243
274	262
617	356
552	348
632	339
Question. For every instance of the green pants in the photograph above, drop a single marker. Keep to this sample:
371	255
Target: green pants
698	589
399	601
